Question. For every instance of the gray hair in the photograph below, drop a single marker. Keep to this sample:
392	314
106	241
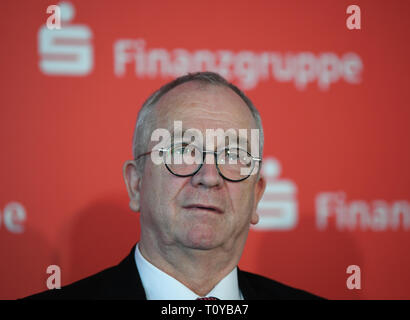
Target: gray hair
142	134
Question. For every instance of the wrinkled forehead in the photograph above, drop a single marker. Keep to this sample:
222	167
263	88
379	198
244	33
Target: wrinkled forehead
203	106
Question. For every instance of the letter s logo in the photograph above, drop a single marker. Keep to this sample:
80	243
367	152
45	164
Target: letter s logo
65	51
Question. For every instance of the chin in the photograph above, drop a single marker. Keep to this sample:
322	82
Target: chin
201	238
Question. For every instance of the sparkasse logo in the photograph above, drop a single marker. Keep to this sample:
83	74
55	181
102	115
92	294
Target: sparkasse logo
66	50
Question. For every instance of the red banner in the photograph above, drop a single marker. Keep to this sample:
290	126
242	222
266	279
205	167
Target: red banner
329	79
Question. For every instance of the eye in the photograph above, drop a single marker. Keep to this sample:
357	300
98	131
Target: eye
186	151
179	149
233	154
238	156
246	160
189	151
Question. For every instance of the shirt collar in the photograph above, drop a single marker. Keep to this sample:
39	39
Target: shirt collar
160	286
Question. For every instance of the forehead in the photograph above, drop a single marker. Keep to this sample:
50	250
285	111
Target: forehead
203	106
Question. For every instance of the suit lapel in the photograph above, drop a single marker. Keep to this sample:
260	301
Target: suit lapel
125	282
248	292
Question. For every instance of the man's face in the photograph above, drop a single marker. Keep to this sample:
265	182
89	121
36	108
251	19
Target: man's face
203	211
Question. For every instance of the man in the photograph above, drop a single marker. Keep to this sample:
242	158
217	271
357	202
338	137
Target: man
195	214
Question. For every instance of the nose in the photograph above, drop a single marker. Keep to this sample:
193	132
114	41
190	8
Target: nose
208	175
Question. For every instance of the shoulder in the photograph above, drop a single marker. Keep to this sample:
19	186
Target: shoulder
118	282
87	288
255	286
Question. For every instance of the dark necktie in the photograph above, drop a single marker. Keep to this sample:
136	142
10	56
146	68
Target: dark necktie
208	298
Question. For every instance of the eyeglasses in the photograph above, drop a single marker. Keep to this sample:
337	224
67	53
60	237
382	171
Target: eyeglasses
232	163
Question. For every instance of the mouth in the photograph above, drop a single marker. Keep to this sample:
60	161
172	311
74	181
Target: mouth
205	208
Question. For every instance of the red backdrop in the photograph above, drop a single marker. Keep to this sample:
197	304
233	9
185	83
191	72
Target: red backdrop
334	103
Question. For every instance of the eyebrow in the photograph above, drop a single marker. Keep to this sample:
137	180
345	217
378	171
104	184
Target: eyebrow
238	141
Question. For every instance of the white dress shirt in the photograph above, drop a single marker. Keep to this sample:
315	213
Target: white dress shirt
160	286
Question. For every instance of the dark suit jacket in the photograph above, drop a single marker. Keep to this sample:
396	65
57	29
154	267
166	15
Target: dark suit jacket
123	282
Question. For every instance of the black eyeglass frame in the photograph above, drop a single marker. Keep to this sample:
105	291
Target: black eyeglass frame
204	152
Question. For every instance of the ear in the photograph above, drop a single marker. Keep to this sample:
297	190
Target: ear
259	190
133	184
